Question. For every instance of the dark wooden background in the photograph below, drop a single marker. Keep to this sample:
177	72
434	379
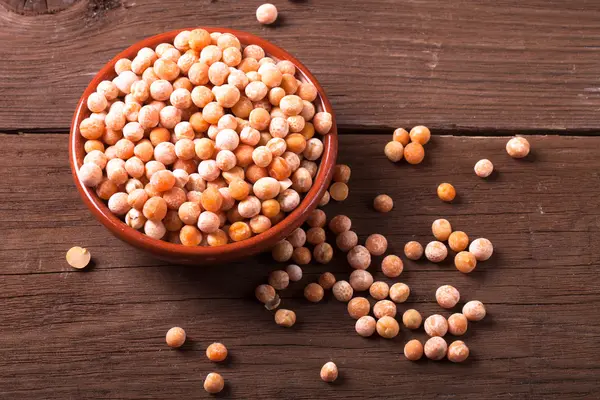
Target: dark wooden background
476	72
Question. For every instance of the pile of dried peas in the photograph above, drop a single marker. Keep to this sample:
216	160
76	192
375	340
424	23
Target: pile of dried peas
203	141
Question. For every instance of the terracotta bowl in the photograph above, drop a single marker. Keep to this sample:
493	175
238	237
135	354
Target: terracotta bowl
203	255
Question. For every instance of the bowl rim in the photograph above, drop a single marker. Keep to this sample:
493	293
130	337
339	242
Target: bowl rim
204	254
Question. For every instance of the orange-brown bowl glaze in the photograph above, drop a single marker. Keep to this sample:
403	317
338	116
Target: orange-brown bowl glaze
204	255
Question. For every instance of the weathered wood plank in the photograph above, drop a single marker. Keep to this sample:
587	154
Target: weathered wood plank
462	65
98	333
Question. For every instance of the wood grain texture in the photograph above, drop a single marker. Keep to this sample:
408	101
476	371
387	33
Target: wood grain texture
99	333
455	66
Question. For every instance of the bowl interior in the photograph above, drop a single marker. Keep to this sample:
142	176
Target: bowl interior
202	254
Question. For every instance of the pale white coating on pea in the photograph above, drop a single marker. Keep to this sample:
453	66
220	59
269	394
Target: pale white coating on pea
118	204
108	89
249	207
384	308
365	326
294	272
96	102
447	296
436	251
361	280
359	257
481	248
484	168
399	292
266	14
474	310
208	222
208	170
342	291
435	348
518	147
436	325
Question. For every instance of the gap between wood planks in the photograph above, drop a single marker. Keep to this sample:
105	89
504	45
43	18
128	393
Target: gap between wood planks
460	131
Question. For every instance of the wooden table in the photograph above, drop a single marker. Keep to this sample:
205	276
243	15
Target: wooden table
476	72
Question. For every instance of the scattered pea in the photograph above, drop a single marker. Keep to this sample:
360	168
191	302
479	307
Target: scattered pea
383	203
301	255
329	372
282	251
474	310
481	248
345	241
484	168
420	134
216	352
402	136
413	250
518	147
365	326
435	348
361	280
387	327
412	319
214	383
379	290
383	308
358	307
78	257
376	244
392	266
286	318
359	257
414	153
436	251
265	293
465	262
458	241
399	292
279	279
340	224
323	253
441	229
314	292
342	291
175	337
458	351
294	272
457	324
436	325
394	151
446	192
341	173
447	296
338	191
327	280
413	350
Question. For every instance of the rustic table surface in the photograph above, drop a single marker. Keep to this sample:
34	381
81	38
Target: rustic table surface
475	72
